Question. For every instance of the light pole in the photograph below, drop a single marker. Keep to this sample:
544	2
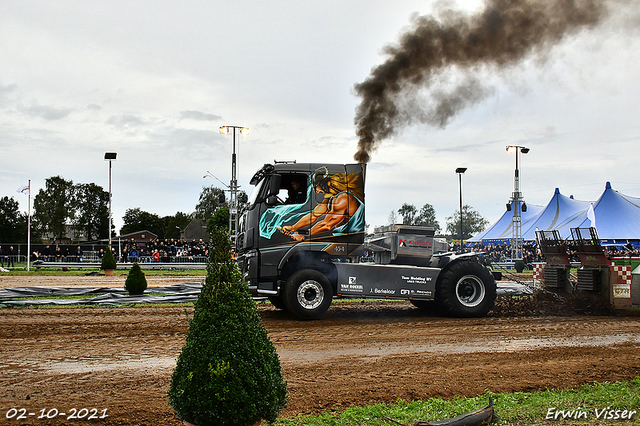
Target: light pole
233	186
110	156
460	171
181	232
519	206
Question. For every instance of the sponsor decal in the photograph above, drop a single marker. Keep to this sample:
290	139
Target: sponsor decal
426	293
376	290
412	243
351	288
416	280
622	291
415	293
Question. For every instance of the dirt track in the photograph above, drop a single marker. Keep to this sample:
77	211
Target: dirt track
121	359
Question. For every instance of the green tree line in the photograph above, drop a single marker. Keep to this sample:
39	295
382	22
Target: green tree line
84	208
472	221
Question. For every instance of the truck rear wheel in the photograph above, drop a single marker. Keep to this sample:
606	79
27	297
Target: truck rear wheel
466	289
307	294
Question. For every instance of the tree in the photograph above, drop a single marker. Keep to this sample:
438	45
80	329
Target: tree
211	199
411	216
472	223
137	220
91	211
427	217
12	221
53	206
408	213
177	223
219	220
393	217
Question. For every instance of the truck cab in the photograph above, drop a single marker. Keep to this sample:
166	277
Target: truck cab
285	230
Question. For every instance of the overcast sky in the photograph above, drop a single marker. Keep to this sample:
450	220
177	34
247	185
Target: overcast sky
154	80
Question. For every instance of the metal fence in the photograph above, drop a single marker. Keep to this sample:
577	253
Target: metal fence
167	259
91	258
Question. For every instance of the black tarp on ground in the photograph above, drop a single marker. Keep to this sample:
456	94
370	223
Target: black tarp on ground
175	293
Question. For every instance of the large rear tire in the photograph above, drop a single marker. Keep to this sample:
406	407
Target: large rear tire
307	294
466	289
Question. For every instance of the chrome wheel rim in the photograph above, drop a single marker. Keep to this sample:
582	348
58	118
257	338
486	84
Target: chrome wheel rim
470	291
310	294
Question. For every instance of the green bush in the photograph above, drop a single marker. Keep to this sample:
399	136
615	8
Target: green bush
108	261
136	282
519	266
228	372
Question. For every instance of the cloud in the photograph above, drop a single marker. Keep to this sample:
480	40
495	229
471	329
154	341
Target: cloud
198	115
46	112
5	91
125	120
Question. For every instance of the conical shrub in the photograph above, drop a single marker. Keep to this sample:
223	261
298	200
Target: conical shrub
108	260
228	372
136	282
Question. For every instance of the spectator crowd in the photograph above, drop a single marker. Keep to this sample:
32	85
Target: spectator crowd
164	250
497	253
159	250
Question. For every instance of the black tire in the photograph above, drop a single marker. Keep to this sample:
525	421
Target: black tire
307	294
466	289
277	302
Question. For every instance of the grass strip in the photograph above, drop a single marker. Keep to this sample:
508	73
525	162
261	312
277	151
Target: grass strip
597	403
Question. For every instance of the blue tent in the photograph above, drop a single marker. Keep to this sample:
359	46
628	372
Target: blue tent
561	214
617	218
501	231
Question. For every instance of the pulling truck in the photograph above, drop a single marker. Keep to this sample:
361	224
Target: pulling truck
301	242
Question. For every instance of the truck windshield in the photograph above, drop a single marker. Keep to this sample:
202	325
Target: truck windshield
255	193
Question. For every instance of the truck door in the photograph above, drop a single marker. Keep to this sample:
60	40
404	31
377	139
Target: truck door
338	215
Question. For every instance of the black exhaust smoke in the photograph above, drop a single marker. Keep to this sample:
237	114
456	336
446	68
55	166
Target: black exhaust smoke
440	61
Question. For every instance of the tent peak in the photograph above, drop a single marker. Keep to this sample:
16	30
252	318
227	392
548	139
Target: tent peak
557	191
608	185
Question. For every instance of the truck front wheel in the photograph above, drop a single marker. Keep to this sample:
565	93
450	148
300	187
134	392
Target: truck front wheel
466	289
308	294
